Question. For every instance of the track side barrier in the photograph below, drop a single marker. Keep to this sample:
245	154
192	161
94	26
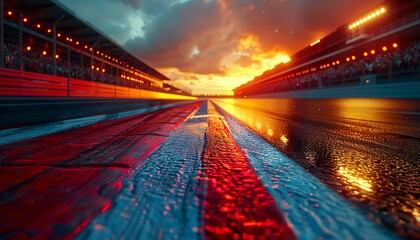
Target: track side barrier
22	83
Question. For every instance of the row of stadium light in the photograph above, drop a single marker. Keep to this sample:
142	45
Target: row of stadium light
98	69
334	63
352	58
315	43
71	40
367	18
132	79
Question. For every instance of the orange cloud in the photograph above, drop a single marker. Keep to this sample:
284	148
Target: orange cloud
246	60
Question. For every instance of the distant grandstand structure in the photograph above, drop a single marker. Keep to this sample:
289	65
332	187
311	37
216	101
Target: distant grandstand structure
48	51
382	46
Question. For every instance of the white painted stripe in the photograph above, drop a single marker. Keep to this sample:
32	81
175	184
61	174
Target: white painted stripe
160	199
207	115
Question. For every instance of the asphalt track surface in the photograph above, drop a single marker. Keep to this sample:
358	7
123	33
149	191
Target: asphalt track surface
186	171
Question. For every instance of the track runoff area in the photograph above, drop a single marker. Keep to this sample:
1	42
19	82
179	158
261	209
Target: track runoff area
187	171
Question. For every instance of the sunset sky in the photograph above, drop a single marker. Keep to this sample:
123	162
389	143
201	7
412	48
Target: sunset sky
210	46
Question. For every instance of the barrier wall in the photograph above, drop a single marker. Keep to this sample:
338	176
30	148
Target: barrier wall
28	84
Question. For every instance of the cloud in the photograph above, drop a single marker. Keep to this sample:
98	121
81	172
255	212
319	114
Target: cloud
116	19
216	28
232	40
195	25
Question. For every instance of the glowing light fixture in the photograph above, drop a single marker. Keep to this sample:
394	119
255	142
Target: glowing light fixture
25	19
353	57
384	48
367	18
44	53
28	48
365	54
284	139
56	56
395	45
38	25
315	43
372	51
9	13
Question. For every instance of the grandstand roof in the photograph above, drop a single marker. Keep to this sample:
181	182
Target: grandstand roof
48	11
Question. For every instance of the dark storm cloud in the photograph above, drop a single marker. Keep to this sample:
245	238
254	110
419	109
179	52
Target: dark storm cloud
215	28
170	40
149	7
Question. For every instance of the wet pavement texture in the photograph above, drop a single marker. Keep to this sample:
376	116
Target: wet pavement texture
54	185
237	203
365	149
193	171
161	198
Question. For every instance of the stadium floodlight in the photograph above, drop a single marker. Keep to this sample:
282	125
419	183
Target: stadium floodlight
367	17
315	43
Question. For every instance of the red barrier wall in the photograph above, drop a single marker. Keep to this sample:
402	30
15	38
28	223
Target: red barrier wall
20	83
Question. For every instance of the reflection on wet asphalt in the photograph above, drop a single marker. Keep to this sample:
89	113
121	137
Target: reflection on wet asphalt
365	149
237	204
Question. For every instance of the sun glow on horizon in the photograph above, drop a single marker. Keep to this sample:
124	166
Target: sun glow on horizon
247	61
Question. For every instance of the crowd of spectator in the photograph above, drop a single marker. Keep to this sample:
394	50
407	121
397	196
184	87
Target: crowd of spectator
35	61
380	62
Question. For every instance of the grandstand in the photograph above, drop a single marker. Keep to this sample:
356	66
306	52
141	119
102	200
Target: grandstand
48	51
379	49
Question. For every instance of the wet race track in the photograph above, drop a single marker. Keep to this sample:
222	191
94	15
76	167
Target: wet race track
291	169
365	149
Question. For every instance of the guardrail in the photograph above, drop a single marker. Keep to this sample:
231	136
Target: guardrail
28	84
